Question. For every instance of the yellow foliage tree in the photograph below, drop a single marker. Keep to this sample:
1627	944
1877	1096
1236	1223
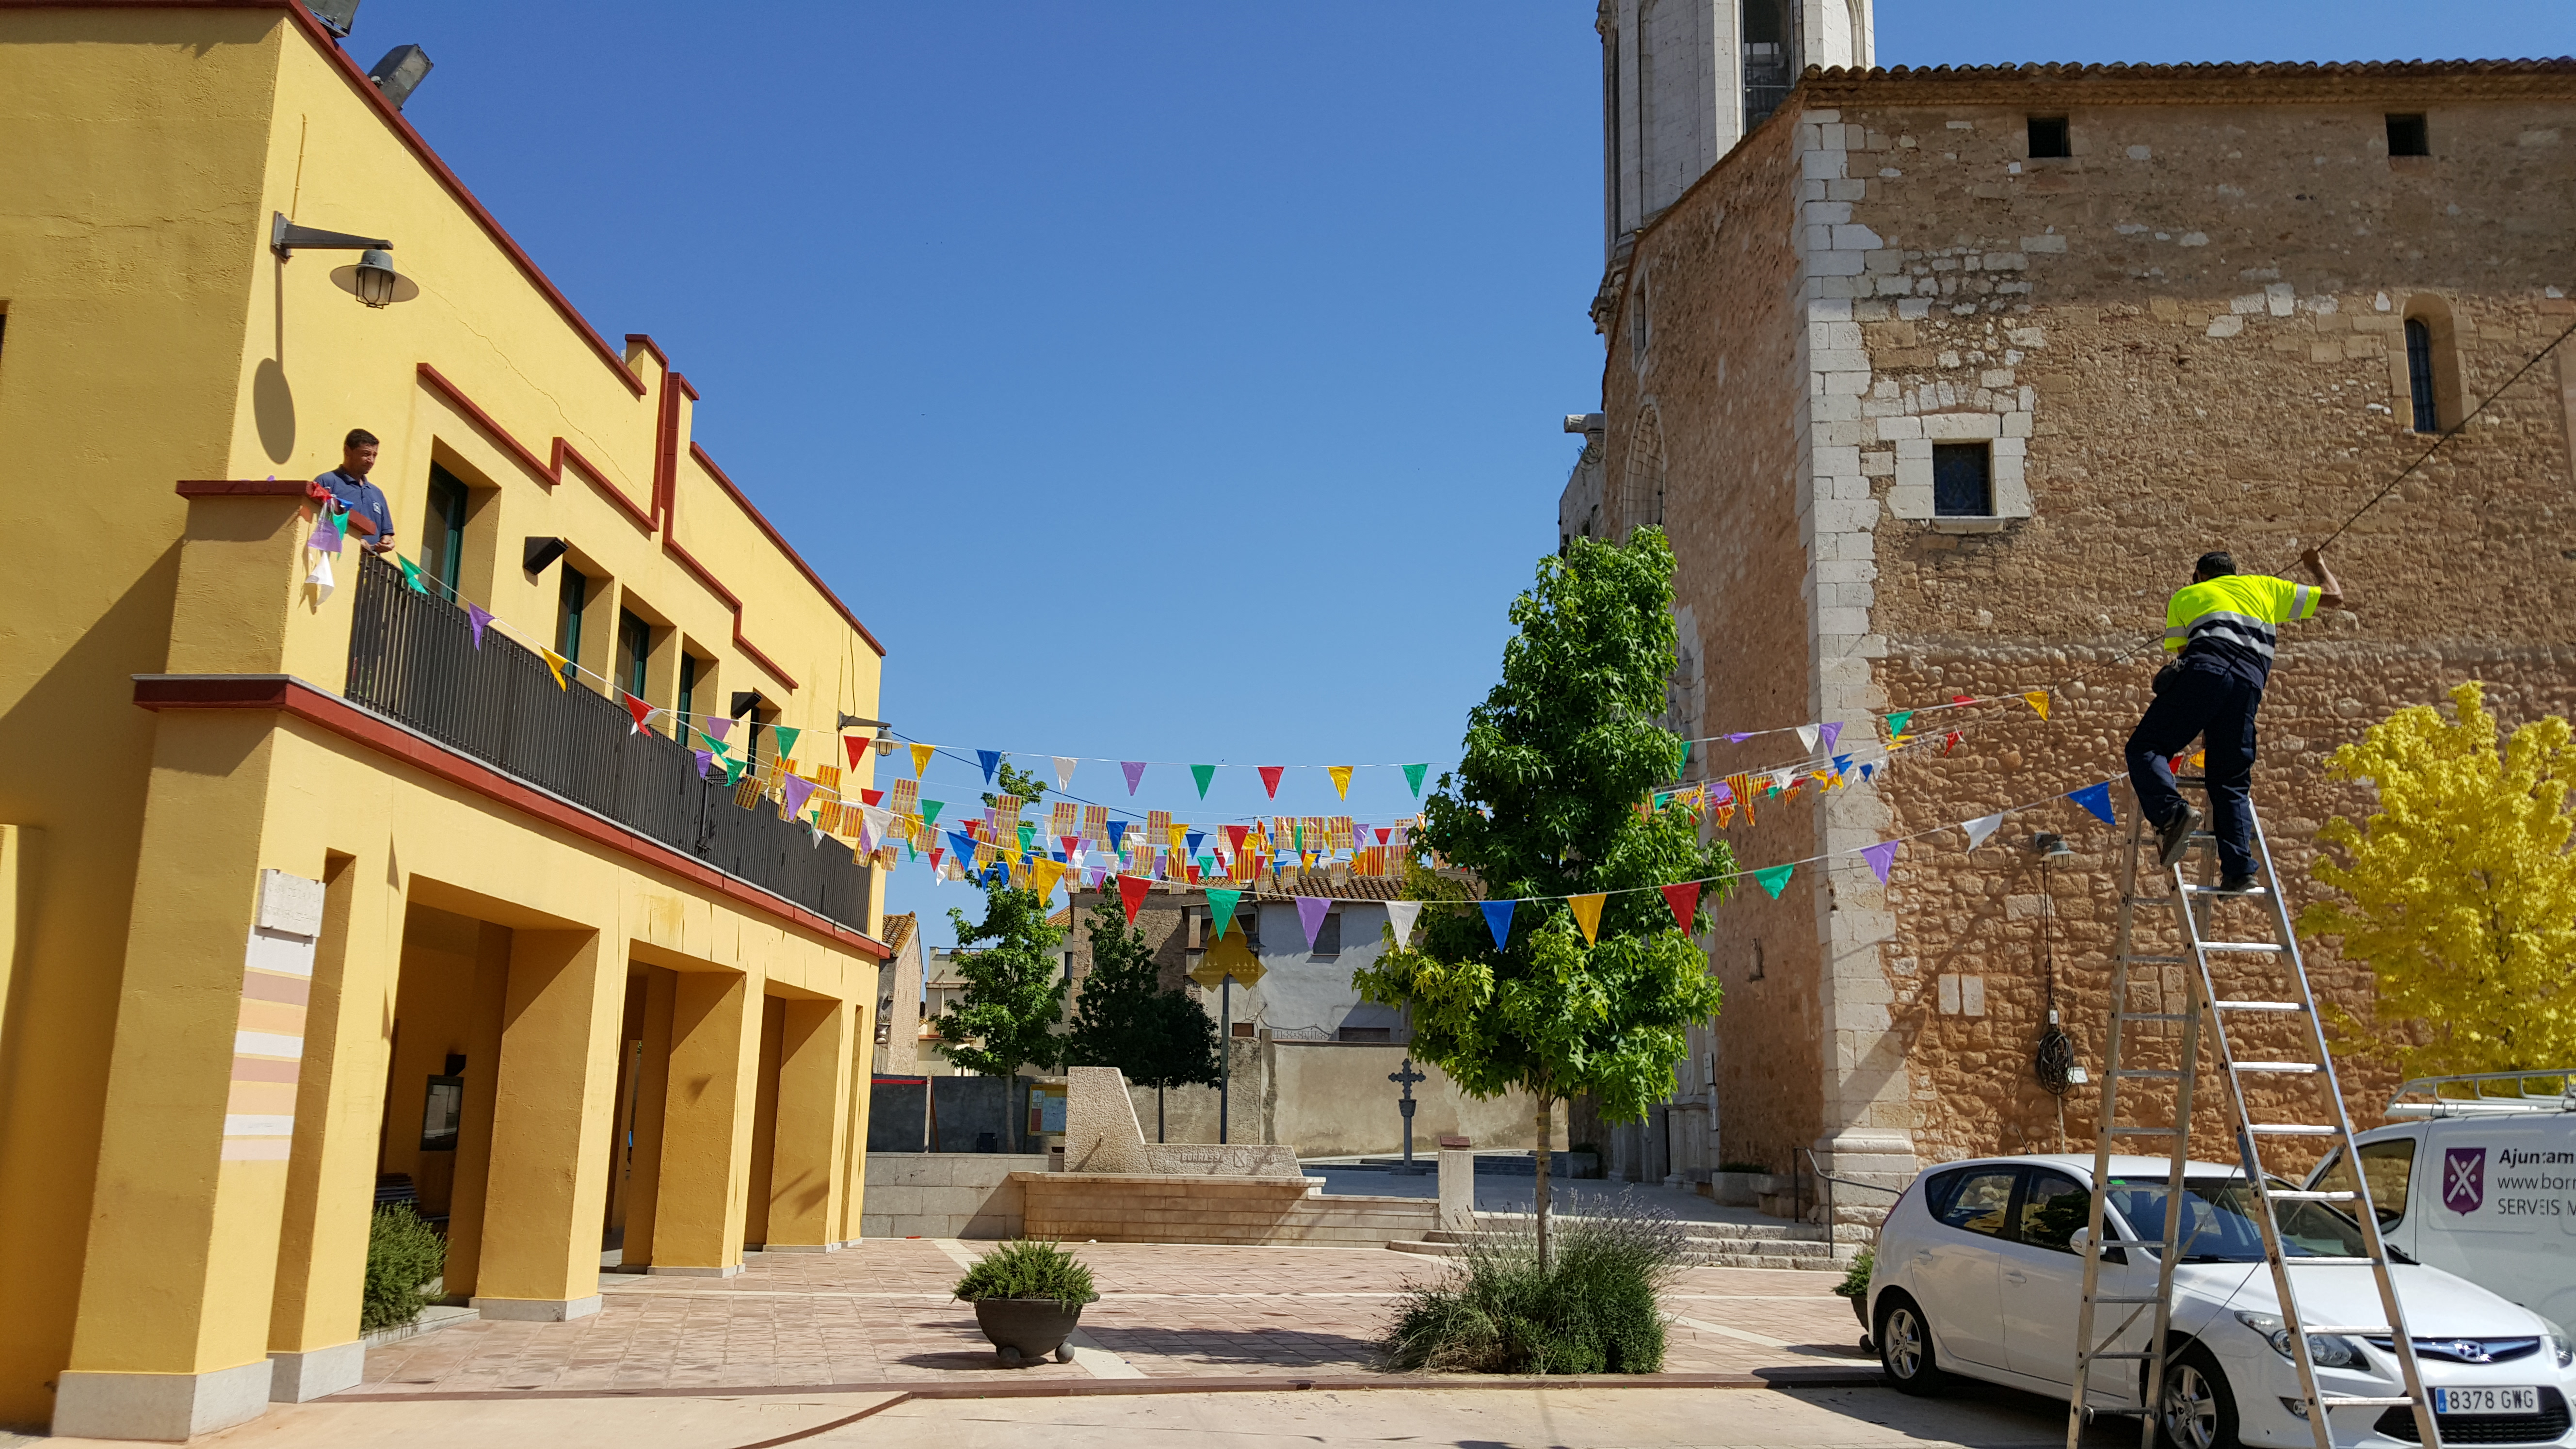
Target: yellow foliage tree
2460	893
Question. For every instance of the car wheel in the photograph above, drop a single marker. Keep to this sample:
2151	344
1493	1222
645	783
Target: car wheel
2199	1411
1905	1346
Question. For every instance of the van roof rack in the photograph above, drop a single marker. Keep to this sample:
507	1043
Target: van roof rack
2475	1094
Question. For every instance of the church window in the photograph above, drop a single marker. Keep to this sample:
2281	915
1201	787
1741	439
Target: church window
2409	136
2048	137
2419	375
1963	480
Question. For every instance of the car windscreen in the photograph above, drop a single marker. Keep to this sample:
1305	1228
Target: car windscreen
2218	1223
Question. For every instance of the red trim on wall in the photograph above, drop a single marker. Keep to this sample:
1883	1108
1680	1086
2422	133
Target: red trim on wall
294	697
793	556
244	488
549	472
689	561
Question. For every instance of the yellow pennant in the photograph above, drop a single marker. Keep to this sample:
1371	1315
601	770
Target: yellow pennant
2038	699
1341	779
921	758
555	663
1047	873
1587	914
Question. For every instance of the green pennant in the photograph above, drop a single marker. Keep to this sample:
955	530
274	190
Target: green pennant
715	746
1896	722
411	574
1663	798
1683	767
1203	774
930	811
1221	907
786	739
1028	836
1774	878
733	772
1413	777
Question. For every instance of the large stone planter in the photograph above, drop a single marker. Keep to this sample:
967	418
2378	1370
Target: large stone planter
1746	1189
1026	1330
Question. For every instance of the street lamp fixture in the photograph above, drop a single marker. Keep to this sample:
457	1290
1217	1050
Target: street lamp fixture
373	281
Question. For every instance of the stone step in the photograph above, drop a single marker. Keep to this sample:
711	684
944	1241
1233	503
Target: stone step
1723	1232
1746	1255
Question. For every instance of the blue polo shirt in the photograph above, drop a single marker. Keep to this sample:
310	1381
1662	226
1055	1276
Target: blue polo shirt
362	498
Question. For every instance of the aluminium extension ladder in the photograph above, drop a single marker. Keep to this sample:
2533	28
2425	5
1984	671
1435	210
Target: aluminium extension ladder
2227	980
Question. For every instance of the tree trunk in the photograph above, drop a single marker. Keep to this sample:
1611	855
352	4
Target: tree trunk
1539	1159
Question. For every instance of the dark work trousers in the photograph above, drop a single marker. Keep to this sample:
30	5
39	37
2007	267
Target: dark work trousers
2216	703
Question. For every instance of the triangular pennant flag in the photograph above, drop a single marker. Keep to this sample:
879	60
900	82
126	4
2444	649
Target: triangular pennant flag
1221	910
1117	834
326	532
921	758
1842	768
854	746
733	772
1865	770
475	618
1341	779
1829	733
1880	857
1043	875
930	811
1587	914
2096	798
1498	919
1413	778
641	711
786	739
1772	879
797	789
715	744
962	846
1684	900
1203	774
2038	699
1807	736
555	664
411	575
1191	838
1950	742
1311	911
1028	833
1134	770
1683	767
990	760
1981	827
1897	722
320	577
1269	778
1064	771
1234	837
1738	739
716	728
1400	916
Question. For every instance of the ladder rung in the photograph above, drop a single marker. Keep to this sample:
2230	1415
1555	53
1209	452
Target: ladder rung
2304	1069
2147	1072
2260	1005
2292	1129
2248	948
2328	1262
2287	1195
2359	1401
2142	1132
2193	890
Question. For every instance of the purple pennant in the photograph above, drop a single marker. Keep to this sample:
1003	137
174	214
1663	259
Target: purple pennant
1881	858
797	789
326	533
477	616
1739	739
1829	733
1310	914
706	761
1135	771
716	726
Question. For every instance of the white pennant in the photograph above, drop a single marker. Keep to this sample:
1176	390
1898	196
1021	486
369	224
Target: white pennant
320	578
1981	827
1400	915
1807	736
1064	772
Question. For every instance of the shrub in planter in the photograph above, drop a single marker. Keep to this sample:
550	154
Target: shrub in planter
1028	1297
1592	1310
1855	1284
404	1255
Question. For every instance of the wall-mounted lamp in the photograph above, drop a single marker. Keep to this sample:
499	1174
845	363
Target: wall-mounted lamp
853	722
400	73
744	702
2052	846
372	281
539	553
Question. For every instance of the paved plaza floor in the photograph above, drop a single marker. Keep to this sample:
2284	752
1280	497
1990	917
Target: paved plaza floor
881	1314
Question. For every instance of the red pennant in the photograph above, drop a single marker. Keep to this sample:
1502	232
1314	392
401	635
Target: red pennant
857	745
1963	699
1234	837
1381	835
1270	778
1684	899
1131	894
1951	743
1194	875
935	853
872	797
640	710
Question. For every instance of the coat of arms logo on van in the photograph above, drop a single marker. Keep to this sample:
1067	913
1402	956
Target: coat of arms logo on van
2464	1178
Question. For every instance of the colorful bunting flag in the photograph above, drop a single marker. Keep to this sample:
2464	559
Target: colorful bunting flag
1684	900
1587	914
326	532
555	664
1270	778
1203	774
1400	916
1234	837
1117	834
786	739
2037	699
320	578
1341	779
706	761
716	727
990	760
1772	879
1413	778
733	772
1807	737
854	746
1829	733
641	711
1981	827
411	575
2096	798
1881	857
930	811
1311	911
1221	909
1897	722
1064	771
1134	770
476	617
1739	739
921	758
1498	919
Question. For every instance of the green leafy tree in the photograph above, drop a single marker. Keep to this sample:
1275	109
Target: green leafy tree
1545	802
2459	893
1124	1017
1005	1018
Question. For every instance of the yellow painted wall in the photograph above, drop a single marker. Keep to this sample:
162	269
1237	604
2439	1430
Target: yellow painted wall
152	337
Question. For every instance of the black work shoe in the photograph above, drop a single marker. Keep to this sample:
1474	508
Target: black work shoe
2239	885
2174	837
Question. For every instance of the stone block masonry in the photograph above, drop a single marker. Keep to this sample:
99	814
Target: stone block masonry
2190	334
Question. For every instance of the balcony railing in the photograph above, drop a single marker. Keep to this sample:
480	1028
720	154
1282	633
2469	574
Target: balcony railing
412	657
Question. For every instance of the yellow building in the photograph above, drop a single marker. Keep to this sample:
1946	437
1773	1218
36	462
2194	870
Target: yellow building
291	882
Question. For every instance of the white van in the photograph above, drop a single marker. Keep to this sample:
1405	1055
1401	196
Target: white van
2478	1176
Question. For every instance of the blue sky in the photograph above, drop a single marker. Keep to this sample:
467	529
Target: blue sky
1159	381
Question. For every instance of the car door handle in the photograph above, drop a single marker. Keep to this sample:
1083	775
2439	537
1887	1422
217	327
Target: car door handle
1923	1255
2014	1275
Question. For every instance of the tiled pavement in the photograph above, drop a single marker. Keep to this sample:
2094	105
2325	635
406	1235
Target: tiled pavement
881	1313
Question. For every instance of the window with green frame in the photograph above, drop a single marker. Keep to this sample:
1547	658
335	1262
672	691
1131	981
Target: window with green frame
575	593
442	539
689	692
634	648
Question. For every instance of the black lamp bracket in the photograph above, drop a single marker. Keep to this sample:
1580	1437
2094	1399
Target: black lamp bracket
284	237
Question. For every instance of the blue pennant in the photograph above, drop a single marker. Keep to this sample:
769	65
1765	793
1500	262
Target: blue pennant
2096	798
989	759
1498	919
1117	834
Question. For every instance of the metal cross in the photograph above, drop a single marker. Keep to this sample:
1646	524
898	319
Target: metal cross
1405	1078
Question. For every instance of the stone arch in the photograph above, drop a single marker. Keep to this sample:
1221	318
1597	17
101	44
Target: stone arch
1641	483
2428	339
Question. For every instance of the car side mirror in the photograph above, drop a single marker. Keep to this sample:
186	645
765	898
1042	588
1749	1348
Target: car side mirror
2081	1240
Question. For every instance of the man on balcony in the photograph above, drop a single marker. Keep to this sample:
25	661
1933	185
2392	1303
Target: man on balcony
350	488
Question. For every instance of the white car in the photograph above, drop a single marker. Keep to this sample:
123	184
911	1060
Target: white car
1977	1275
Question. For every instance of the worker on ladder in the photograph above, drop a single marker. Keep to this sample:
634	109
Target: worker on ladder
2221	627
